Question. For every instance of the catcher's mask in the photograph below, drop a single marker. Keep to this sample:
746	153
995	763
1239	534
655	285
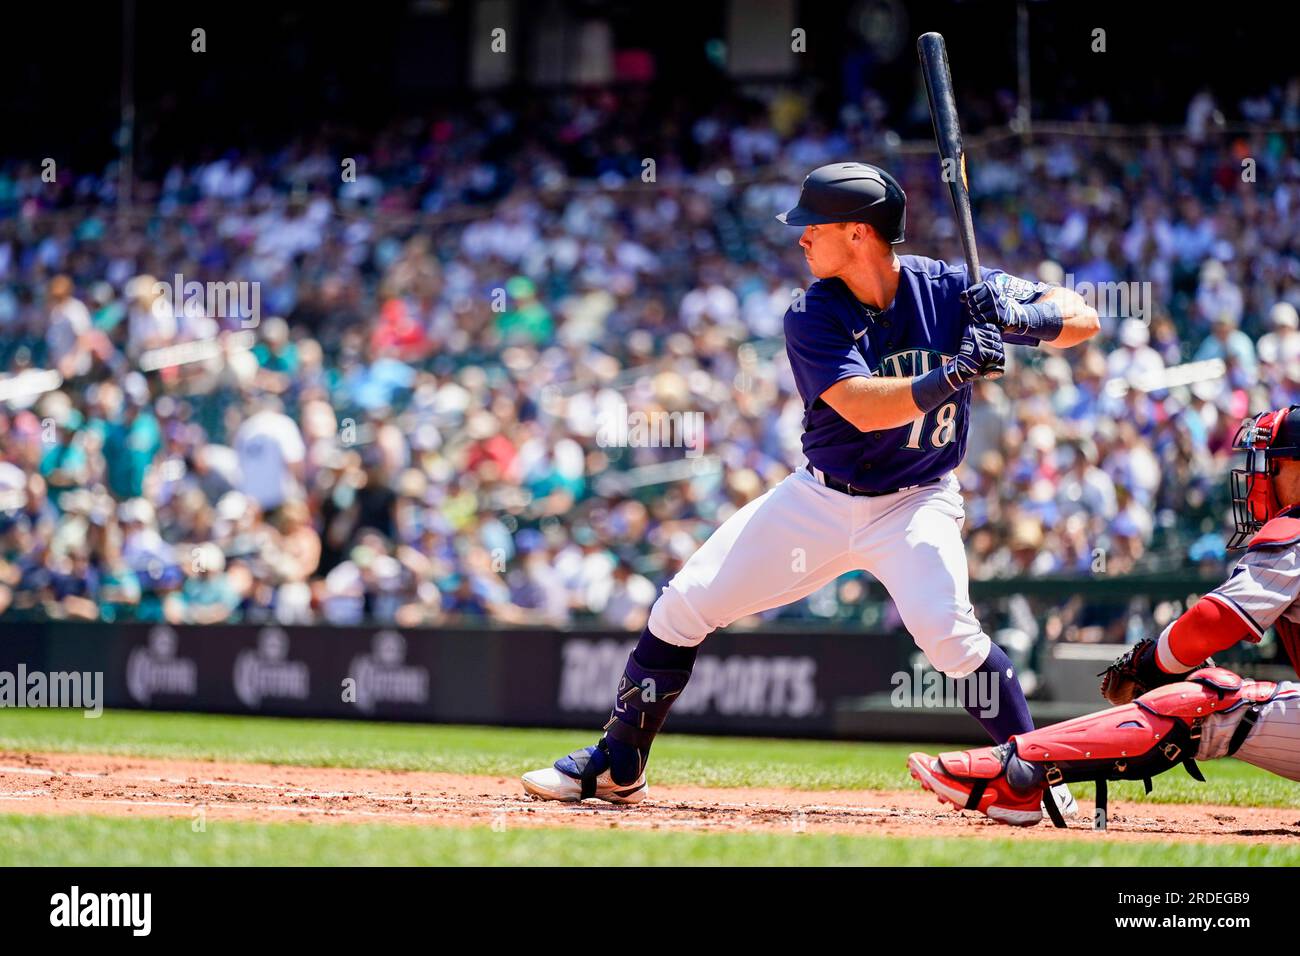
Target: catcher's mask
1267	439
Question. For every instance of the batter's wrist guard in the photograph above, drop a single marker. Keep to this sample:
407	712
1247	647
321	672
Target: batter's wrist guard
936	386
1037	320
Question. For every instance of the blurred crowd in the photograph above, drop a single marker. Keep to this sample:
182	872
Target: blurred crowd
417	398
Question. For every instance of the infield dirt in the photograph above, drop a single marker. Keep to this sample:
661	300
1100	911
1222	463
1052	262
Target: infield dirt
60	783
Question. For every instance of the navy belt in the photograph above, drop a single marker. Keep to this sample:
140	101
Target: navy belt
848	489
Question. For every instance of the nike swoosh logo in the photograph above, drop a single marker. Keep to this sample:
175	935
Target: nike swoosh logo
858	335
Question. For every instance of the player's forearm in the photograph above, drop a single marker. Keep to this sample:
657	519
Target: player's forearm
1207	627
874	404
1079	320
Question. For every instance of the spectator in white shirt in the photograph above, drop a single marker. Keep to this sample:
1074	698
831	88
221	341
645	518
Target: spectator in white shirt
271	454
629	601
66	337
1216	295
1281	347
1135	359
151	323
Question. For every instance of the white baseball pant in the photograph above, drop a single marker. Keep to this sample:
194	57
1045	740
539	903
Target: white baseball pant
800	535
1273	744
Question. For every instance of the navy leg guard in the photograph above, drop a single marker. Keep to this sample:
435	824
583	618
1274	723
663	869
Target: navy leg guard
640	708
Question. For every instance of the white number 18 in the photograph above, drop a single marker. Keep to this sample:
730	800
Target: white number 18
945	426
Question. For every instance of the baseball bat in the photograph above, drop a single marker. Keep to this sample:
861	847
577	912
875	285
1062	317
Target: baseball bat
947	136
952	158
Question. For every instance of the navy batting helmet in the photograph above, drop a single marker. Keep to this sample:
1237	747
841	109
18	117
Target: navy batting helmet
851	192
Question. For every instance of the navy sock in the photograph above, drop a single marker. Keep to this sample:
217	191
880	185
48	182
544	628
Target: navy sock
650	654
658	655
1005	712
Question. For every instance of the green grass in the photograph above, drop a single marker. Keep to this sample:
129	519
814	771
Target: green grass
678	759
106	841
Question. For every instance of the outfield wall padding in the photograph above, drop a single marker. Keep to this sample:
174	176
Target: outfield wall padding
777	682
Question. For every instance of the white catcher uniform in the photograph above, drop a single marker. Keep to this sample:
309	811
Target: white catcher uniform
1262	591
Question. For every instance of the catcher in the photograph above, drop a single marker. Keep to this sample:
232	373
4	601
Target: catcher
1171	709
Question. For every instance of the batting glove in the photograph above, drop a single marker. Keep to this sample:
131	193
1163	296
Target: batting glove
1038	320
981	355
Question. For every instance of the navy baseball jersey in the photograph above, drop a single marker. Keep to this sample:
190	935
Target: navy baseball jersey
835	337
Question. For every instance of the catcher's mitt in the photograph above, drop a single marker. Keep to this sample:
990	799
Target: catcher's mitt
1137	672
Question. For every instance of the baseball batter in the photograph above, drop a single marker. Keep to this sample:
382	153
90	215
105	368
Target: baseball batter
883	349
1173	709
